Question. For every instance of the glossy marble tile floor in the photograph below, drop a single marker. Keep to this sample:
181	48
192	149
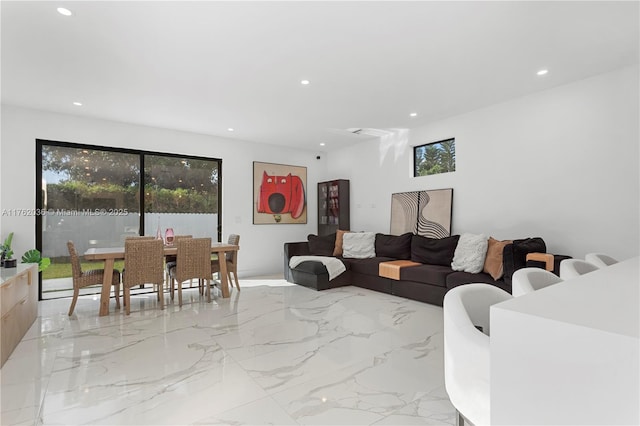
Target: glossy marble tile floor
273	353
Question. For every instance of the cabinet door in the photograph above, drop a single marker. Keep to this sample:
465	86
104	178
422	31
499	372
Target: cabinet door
11	333
8	296
323	203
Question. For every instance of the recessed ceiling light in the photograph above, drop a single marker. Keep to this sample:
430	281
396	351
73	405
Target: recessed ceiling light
304	82
322	144
231	129
542	72
64	11
77	103
413	114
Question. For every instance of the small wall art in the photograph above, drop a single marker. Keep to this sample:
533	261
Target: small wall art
426	213
279	194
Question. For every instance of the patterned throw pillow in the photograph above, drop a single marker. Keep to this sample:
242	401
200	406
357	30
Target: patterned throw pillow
470	253
359	245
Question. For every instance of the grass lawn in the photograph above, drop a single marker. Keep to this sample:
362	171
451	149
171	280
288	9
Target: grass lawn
63	270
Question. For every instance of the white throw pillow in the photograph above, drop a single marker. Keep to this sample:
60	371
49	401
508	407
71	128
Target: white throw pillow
470	253
359	245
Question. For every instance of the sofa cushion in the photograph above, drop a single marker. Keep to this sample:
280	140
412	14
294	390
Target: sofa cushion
321	245
368	266
337	250
395	246
457	278
433	251
427	274
470	253
358	245
493	262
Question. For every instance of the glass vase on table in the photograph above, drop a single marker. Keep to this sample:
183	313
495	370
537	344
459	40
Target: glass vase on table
169	237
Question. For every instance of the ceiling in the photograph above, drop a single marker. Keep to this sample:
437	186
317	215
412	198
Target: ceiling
209	66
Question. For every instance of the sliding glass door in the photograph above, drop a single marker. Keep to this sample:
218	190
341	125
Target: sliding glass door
181	195
92	196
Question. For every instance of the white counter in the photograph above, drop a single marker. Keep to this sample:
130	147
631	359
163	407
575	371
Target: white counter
569	353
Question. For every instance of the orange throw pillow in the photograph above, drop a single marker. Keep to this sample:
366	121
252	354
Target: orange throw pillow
337	251
493	261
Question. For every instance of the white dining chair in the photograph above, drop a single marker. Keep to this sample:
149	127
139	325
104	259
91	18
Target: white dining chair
527	280
466	349
600	260
572	268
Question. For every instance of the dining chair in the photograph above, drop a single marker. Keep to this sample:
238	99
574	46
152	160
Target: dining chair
600	260
86	278
467	343
193	262
232	261
573	268
528	280
170	260
143	262
140	237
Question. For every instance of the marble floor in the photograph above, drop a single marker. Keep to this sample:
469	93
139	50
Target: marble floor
273	353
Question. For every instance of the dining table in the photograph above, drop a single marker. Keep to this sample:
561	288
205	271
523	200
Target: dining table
110	254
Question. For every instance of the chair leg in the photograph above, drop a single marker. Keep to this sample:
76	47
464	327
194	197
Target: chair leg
235	275
161	294
117	295
172	289
179	293
127	299
208	290
76	292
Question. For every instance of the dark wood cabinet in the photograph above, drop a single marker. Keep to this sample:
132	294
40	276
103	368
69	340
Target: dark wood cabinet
333	206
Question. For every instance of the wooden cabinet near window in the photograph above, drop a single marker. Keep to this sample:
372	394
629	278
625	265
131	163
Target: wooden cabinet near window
18	305
333	206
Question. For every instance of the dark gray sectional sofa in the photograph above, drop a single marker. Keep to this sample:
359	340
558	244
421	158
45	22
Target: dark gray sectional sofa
427	282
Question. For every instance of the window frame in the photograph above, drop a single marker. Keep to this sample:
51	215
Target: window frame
416	147
40	143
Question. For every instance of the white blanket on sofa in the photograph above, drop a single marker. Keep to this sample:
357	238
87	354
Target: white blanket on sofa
334	266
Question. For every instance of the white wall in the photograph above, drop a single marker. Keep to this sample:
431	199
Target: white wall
261	245
562	164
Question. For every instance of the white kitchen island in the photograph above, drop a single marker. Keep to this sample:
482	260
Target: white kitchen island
569	353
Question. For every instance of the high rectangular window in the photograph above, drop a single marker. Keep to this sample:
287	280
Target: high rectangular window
434	158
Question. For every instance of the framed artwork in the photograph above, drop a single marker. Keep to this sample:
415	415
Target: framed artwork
426	213
279	194
434	158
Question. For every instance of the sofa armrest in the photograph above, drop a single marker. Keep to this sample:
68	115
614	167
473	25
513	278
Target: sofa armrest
293	249
514	255
296	249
